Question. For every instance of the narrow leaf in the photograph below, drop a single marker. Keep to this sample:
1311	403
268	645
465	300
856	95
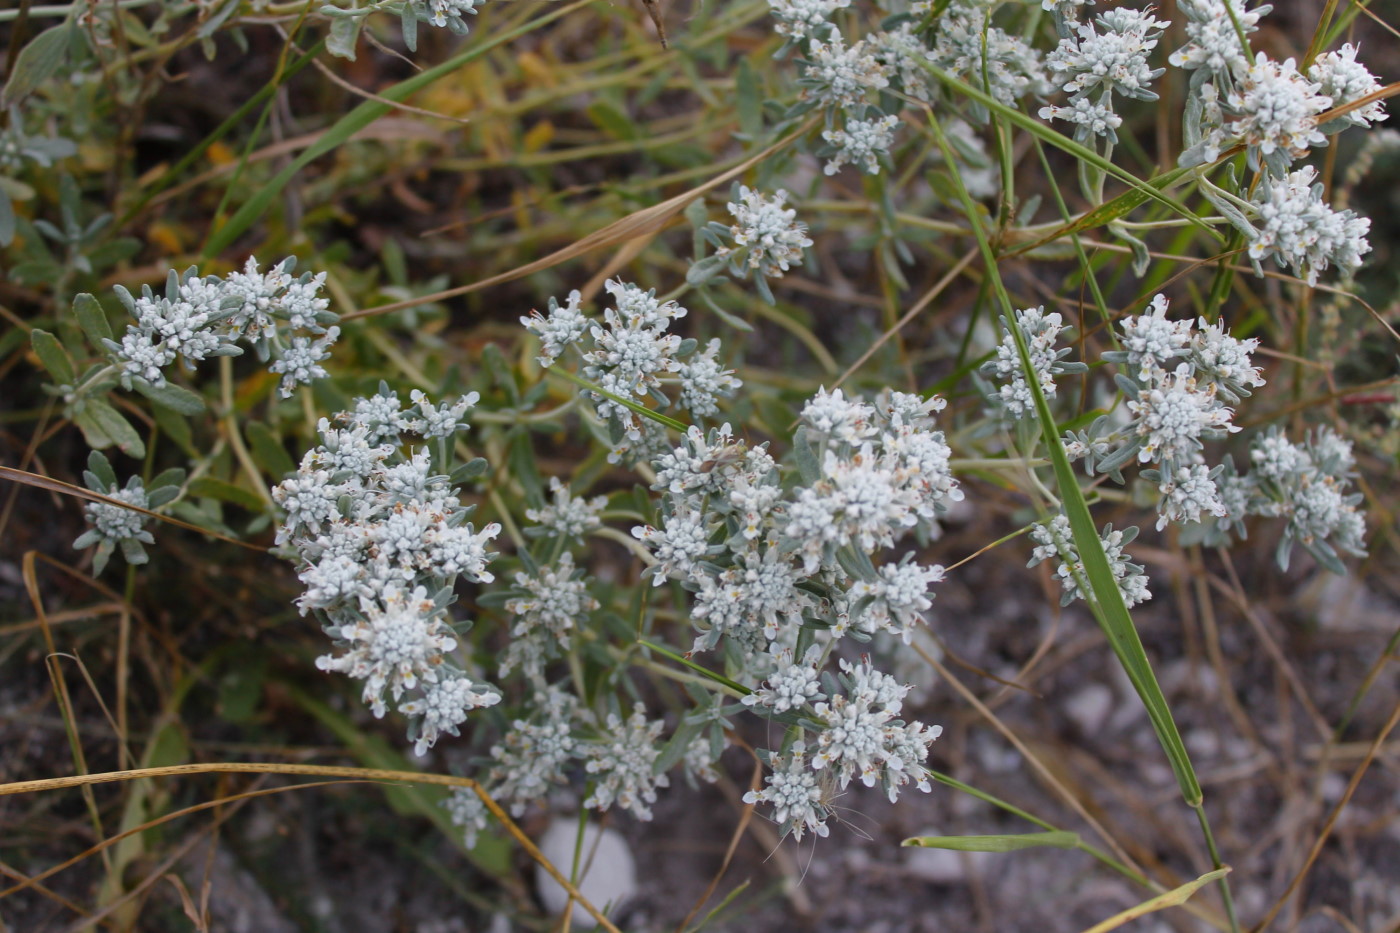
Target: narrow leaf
37	62
176	398
1006	843
53	356
92	319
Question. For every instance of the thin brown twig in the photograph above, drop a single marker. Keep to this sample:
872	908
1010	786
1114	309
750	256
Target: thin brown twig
918	306
734	840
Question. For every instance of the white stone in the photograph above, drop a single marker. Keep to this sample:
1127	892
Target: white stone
607	870
1089	708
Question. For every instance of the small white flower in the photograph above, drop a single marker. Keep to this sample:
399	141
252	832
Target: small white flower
300	364
1276	108
799	19
1225	360
564	326
791	686
796	793
445	13
1040	331
1114	60
679	545
445	421
398	641
1173	413
1152	341
1298	229
1186	493
704	379
567	517
1013	69
622	765
861	143
1090	117
114	523
554	601
843	420
444	706
1344	79
837	76
1212	42
770	233
532	756
466	810
1055	542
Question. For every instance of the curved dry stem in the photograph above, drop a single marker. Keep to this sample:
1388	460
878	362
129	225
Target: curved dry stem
336	771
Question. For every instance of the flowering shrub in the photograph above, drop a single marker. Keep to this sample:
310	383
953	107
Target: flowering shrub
581	557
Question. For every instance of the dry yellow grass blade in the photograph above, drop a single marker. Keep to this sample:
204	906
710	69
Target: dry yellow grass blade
1173	898
151	824
331	771
640	223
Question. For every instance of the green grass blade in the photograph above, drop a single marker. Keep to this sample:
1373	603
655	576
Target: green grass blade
1104	598
1012	842
355	121
1111	210
697	668
1060	141
639	408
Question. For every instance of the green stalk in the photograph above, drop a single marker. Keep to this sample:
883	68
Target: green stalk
1097	582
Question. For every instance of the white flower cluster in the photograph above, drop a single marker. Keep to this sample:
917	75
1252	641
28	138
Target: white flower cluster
791	685
1012	68
282	317
1344	80
1275	108
803	19
861	143
1213	48
1179	378
860	736
1041	331
1239	97
567	517
765	562
114	527
1055	542
798	794
564	326
534	754
768	236
547	607
1092	66
632	355
1309	485
837	76
623	763
903	53
380	540
1298	229
444	13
